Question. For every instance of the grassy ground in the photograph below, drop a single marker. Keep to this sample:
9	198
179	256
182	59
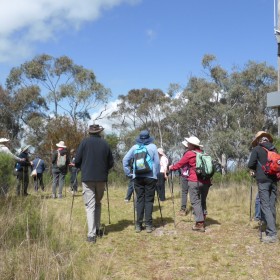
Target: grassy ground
40	239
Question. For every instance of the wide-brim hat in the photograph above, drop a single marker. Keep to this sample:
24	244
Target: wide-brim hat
4	140
95	128
61	144
25	148
185	143
259	135
194	140
144	138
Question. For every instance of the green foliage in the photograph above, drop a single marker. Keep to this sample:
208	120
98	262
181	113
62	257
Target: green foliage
6	172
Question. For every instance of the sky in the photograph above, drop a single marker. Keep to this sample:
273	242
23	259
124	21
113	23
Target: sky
134	44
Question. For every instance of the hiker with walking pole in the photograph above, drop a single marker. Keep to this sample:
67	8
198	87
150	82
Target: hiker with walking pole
145	170
94	158
198	186
266	179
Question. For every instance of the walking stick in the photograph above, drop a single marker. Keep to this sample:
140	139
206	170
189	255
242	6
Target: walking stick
160	210
172	195
108	202
134	220
251	194
73	195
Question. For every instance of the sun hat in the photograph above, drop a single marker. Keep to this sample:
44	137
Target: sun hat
25	148
185	143
3	140
259	135
95	128
160	151
61	144
144	138
194	140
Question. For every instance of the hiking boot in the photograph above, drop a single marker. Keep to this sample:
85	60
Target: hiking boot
91	239
59	196
149	229
53	195
99	233
270	239
182	212
126	200
138	228
199	227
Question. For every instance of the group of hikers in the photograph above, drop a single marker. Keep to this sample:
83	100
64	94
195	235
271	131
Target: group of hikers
147	168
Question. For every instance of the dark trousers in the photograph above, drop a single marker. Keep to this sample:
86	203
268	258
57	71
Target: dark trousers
38	181
161	186
74	179
267	193
22	182
145	193
129	190
184	194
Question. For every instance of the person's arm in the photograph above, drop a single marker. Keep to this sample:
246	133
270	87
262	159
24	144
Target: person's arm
126	161
182	162
7	151
78	156
253	160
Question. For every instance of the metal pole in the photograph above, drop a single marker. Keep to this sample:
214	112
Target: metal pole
107	189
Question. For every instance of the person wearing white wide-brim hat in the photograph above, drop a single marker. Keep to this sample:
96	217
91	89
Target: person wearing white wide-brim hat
60	161
6	150
198	188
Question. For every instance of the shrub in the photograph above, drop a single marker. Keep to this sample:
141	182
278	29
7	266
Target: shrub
6	172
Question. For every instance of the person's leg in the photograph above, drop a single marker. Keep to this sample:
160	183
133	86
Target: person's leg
99	192
35	180
140	200
204	189
195	198
41	181
61	184
19	182
90	202
267	193
55	183
75	183
160	186
184	194
129	190
25	182
150	185
257	208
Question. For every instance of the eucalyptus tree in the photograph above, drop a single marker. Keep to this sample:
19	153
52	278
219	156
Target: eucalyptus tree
68	89
143	109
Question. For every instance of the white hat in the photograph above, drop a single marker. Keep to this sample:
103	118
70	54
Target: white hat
160	151
185	143
3	140
25	148
194	140
61	144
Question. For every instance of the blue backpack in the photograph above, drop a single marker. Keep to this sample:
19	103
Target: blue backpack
142	163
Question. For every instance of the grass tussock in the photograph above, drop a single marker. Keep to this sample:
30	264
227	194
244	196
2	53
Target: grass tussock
44	238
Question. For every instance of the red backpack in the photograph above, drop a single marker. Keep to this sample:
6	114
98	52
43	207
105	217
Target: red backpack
272	166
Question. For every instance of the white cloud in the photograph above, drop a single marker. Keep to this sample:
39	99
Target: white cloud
25	22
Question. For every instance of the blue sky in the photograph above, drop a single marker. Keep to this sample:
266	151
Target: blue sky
138	43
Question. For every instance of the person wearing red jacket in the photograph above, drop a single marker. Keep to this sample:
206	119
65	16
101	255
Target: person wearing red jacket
198	188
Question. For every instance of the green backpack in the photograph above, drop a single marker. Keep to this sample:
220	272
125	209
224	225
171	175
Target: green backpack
204	166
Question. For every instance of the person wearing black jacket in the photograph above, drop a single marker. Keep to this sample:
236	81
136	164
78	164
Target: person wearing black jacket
94	158
23	171
267	185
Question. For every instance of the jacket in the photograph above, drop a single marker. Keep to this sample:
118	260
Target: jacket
41	166
189	161
94	158
23	165
258	158
57	169
152	150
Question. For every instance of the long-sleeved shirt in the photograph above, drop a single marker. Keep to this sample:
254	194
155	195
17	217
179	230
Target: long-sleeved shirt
152	150
6	150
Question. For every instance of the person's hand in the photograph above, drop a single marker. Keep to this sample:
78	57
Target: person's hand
23	159
170	167
129	176
252	173
71	164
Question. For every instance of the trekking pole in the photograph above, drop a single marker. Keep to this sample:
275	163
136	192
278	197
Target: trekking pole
172	196
108	202
160	209
73	195
251	196
134	203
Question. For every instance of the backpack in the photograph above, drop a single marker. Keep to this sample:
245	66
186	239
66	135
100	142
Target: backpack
142	163
61	160
272	166
204	166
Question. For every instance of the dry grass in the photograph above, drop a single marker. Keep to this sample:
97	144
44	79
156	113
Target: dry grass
38	241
